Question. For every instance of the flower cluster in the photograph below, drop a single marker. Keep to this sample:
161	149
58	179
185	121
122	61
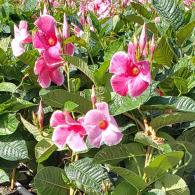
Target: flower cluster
131	75
97	126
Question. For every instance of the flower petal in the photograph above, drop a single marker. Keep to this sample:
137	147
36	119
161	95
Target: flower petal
60	135
17	48
57	77
119	63
119	84
145	71
46	24
76	142
112	135
103	107
132	52
136	86
57	118
44	78
69	49
39	41
39	65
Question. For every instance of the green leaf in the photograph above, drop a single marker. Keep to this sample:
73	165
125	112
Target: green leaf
8	124
44	149
4	43
168	119
13	148
89	177
174	185
184	104
32	129
125	188
29	58
75	39
119	152
3	176
185	32
70	106
163	53
4	60
49	181
146	140
57	98
7	87
170	11
130	177
162	163
120	104
141	10
81	65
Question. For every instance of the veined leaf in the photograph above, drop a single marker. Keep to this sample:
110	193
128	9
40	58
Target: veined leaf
162	163
170	11
168	119
7	87
119	152
3	176
130	177
88	177
57	98
125	188
49	180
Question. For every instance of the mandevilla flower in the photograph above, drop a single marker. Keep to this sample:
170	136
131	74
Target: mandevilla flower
130	77
47	73
101	127
46	40
21	37
67	131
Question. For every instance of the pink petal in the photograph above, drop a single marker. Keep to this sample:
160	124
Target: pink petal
57	118
66	30
145	71
16	31
76	142
60	135
93	117
46	24
136	86
44	79
57	77
77	128
69	118
39	65
17	48
103	107
119	84
53	54
120	63
94	136
112	135
23	25
143	39
39	41
69	49
132	52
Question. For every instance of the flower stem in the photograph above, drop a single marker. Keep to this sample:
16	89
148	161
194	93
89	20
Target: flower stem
13	178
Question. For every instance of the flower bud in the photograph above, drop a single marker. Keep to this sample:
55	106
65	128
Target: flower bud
143	39
40	115
66	30
93	96
152	47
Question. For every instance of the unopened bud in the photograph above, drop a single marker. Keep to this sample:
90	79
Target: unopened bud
40	115
143	39
93	96
66	30
135	42
45	11
152	47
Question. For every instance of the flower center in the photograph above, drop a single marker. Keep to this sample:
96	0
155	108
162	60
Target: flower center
134	71
52	41
103	124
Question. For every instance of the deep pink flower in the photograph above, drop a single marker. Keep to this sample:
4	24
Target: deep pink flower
101	127
67	131
130	77
68	48
21	37
46	39
48	73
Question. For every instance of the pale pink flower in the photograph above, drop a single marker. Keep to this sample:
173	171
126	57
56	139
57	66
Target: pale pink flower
67	131
48	73
130	76
101	127
21	37
46	39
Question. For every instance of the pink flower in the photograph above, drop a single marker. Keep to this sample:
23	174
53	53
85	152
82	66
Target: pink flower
101	126
130	77
46	40
47	73
67	131
68	48
21	37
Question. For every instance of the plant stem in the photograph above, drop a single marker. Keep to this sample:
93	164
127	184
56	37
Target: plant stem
13	178
67	75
